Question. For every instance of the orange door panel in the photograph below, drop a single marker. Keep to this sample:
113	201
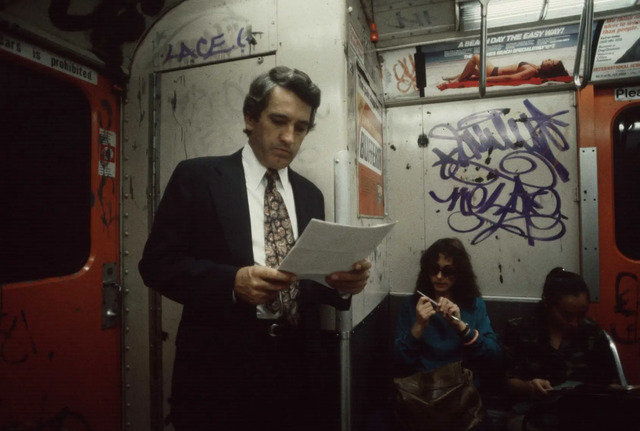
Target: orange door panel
59	237
613	127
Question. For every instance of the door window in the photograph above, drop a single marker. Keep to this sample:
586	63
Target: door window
45	189
626	180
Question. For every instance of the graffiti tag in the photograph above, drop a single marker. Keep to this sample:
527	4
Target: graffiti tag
405	73
518	195
206	48
63	420
13	331
627	307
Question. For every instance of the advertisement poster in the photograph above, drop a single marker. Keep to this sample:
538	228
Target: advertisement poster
369	133
618	51
542	56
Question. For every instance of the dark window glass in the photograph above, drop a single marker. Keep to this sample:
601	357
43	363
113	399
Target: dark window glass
626	181
45	188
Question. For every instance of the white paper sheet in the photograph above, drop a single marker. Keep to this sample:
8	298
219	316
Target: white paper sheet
325	247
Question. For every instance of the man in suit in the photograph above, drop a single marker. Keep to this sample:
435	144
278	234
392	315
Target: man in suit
244	349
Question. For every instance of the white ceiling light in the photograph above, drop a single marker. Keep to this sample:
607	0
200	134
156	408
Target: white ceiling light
502	13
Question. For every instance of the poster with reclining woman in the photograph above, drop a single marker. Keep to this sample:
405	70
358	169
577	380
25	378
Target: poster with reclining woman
534	57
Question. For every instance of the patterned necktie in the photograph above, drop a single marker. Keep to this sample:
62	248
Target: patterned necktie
278	240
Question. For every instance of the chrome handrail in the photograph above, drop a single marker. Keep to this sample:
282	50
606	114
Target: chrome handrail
482	84
616	358
586	27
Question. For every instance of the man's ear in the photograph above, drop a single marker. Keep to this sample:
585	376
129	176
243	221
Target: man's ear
249	123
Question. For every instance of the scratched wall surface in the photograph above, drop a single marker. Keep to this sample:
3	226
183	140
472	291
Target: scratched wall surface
501	175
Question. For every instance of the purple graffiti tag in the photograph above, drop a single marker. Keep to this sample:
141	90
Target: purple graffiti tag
545	132
529	208
184	53
518	194
484	132
206	48
215	43
240	38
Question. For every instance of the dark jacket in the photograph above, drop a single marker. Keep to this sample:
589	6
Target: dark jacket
200	238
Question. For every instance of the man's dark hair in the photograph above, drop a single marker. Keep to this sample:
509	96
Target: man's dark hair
560	283
291	79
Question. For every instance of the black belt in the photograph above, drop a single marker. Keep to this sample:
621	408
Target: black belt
277	328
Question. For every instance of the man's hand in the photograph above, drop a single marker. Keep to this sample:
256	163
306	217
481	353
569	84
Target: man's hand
539	387
353	281
534	388
260	284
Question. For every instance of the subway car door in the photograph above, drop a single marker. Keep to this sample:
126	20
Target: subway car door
610	116
59	244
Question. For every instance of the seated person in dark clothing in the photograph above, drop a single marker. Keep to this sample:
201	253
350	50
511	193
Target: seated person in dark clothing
556	345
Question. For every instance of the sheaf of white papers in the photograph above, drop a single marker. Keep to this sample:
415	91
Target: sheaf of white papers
325	247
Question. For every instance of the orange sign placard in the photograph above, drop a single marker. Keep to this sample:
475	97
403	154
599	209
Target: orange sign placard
370	172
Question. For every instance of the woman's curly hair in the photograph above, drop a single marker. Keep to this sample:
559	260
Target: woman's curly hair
465	287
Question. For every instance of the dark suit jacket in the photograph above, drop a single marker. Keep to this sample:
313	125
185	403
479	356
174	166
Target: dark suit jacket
200	238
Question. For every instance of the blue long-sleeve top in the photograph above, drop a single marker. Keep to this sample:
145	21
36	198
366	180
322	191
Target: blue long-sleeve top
440	344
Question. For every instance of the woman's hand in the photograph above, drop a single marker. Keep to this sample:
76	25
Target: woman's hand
449	310
424	311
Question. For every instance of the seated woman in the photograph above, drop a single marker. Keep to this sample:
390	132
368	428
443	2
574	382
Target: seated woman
514	72
556	345
456	327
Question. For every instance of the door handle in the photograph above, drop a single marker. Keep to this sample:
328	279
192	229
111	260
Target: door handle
111	294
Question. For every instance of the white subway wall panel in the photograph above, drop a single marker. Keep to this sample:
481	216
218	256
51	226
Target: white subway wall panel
500	174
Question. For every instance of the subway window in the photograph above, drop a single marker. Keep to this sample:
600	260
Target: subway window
626	159
45	183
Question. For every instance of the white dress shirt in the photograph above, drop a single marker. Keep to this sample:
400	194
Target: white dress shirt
256	184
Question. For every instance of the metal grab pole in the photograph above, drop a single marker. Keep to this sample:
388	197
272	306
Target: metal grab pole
584	40
482	85
342	199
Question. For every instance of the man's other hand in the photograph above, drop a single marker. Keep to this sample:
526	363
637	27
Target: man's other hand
351	282
260	284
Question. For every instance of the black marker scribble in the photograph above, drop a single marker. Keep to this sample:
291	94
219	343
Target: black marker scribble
627	309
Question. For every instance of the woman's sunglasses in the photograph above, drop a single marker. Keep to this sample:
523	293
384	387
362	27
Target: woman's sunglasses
447	271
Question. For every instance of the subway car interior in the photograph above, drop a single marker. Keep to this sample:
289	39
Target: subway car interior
421	126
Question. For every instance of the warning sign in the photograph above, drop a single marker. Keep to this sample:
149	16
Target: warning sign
107	165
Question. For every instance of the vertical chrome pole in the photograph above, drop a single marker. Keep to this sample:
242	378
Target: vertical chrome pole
482	85
342	199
